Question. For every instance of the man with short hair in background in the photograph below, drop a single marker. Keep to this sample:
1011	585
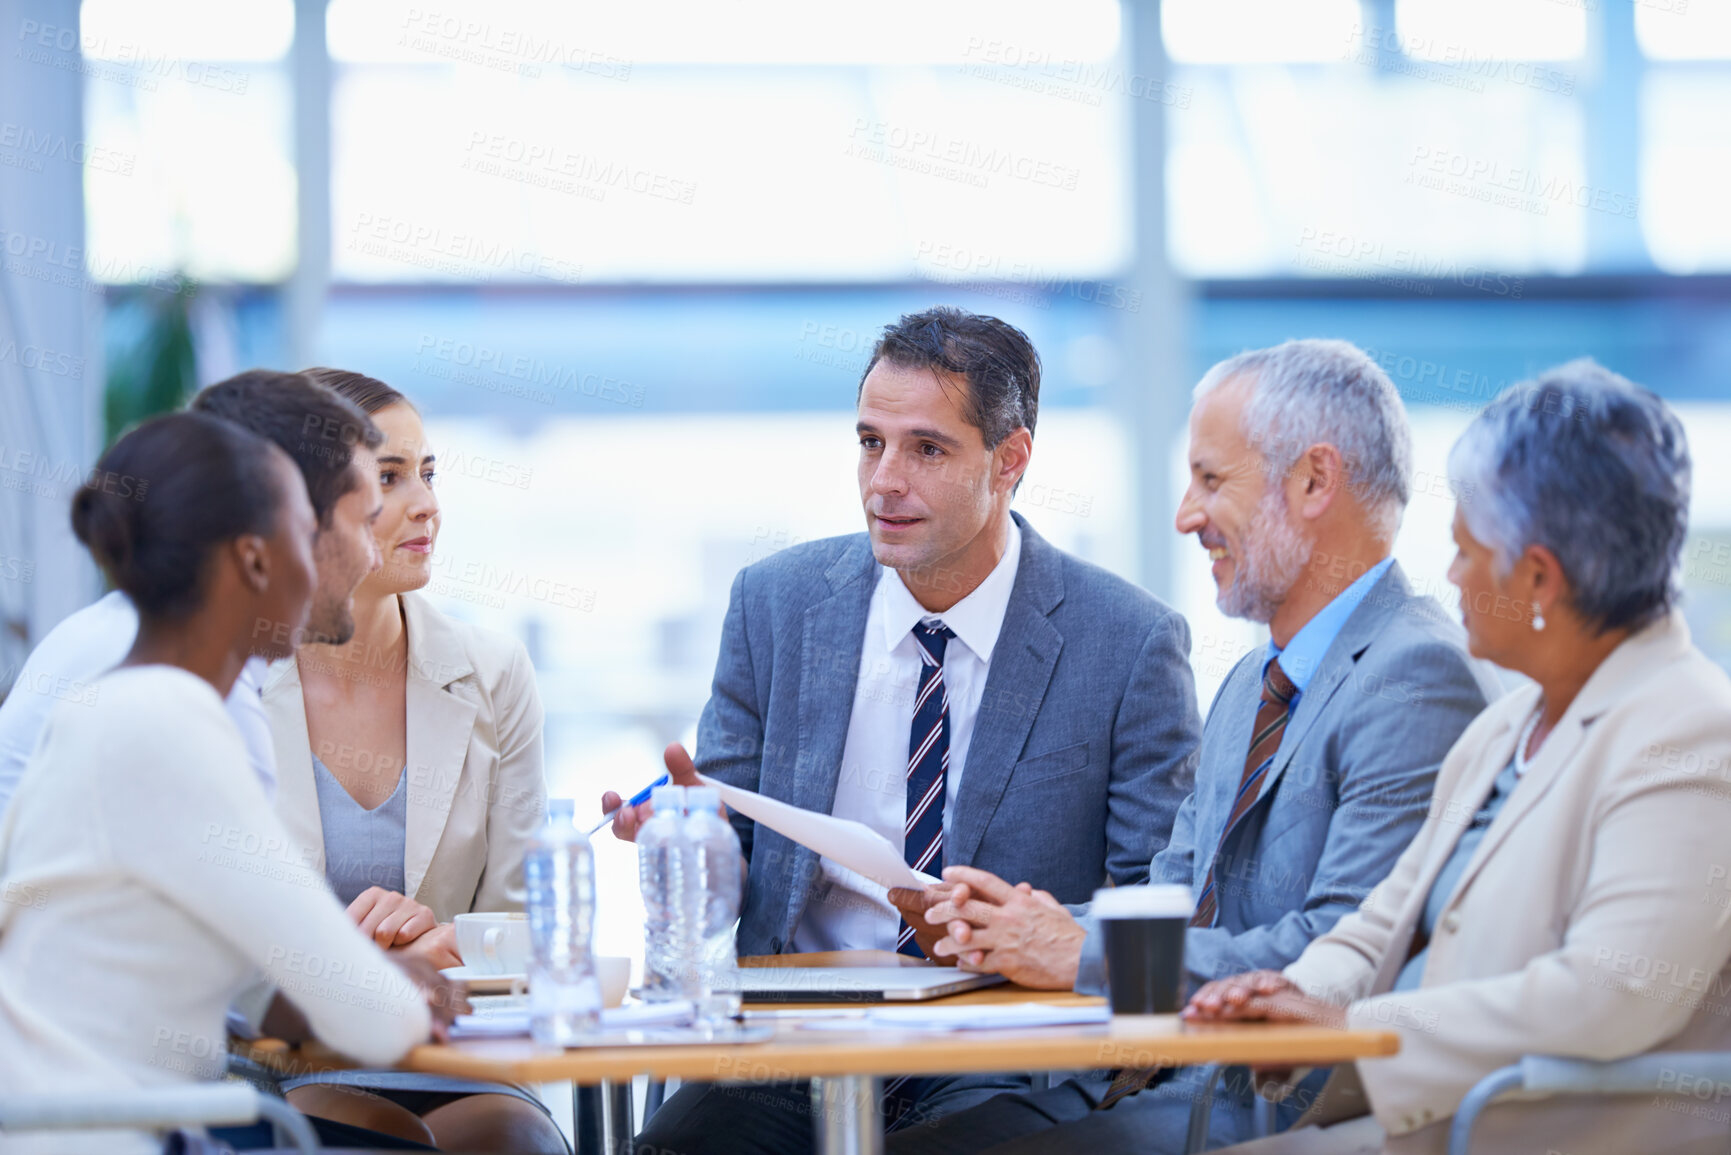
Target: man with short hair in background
946	678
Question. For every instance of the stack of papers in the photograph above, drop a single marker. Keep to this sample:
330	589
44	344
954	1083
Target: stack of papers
974	1018
508	1022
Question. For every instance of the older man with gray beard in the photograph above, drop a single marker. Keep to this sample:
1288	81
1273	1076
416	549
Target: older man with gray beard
1317	759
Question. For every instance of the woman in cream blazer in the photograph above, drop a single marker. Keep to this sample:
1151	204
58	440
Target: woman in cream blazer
474	784
409	768
1568	893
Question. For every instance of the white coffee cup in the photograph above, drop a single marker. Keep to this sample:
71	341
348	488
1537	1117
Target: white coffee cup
494	943
615	974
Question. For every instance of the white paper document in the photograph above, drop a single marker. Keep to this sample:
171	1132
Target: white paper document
846	843
507	1021
974	1018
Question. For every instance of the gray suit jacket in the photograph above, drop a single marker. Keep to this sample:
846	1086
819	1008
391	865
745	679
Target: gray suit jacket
1349	787
1082	750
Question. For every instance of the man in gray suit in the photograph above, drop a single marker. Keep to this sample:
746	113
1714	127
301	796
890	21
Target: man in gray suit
947	678
1318	757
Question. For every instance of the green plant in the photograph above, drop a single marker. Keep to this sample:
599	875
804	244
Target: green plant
152	364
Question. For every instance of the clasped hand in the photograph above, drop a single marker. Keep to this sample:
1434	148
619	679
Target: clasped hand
399	924
988	926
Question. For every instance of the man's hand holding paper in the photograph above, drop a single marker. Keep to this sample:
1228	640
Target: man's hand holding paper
849	844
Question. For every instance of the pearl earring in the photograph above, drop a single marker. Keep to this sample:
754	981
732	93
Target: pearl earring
1538	619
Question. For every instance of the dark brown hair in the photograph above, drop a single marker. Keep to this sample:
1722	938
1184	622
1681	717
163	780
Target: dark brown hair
995	358
368	393
309	422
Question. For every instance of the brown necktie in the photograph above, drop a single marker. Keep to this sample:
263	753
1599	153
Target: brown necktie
1271	717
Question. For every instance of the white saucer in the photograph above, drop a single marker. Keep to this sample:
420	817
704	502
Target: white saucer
481	983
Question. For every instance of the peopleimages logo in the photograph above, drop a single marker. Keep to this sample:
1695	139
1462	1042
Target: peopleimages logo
1344	254
1520	187
57	146
535	377
467	254
497	154
501	47
1455	65
939	154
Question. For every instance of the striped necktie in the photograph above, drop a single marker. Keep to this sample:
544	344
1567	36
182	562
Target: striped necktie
928	763
1271	718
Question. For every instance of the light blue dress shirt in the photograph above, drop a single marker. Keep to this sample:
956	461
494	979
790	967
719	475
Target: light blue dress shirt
1304	653
1412	974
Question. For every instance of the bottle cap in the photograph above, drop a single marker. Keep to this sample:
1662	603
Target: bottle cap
668	799
704	799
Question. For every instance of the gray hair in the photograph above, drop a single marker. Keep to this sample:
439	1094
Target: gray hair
1316	392
1592	467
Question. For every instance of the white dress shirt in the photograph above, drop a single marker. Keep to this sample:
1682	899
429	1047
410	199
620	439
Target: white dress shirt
146	880
65	667
849	912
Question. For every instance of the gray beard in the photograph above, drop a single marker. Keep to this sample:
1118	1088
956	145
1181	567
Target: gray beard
1273	557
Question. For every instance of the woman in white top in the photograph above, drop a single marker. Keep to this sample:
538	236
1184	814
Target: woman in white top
410	758
159	881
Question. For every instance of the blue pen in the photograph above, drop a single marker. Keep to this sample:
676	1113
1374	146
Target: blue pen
637	799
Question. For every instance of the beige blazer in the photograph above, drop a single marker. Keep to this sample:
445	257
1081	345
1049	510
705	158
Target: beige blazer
1591	922
476	790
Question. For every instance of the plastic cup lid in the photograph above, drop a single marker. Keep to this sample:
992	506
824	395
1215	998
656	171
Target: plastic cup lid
1166	900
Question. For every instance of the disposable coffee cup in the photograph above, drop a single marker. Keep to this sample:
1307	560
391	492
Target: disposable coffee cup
1143	928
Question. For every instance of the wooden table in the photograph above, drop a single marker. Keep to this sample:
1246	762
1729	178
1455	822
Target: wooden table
845	1066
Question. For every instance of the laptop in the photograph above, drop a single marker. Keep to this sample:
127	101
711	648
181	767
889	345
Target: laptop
851	984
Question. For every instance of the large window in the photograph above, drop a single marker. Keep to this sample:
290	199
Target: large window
546	143
1684	30
1685	166
1315	142
755	141
1449	142
188	162
1342	171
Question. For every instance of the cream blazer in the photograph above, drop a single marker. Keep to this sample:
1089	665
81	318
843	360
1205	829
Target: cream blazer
1591	922
476	790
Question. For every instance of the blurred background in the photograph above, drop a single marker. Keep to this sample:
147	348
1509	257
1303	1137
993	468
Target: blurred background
629	260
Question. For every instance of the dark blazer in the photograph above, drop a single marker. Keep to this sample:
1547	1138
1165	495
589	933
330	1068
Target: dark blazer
1081	753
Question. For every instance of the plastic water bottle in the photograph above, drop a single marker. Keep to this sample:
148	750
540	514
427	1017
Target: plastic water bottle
661	874
718	884
564	989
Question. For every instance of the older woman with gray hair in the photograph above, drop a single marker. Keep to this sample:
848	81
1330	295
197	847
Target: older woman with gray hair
1559	899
